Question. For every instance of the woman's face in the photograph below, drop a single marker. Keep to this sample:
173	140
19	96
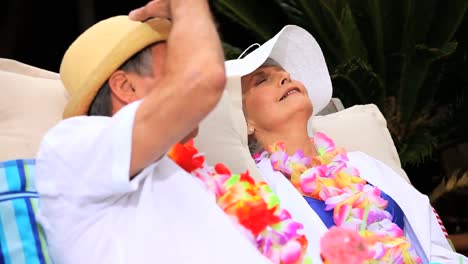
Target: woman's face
271	98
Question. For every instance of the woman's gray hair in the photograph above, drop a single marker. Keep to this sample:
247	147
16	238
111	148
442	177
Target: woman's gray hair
140	63
254	145
271	62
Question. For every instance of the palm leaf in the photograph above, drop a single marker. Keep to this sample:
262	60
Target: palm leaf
231	52
420	15
417	148
453	192
259	16
368	14
356	82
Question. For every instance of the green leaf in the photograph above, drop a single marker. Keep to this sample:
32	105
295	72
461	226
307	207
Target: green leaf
259	16
433	54
421	14
368	14
357	77
416	148
231	52
447	19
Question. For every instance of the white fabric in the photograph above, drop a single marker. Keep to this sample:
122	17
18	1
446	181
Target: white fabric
93	213
420	225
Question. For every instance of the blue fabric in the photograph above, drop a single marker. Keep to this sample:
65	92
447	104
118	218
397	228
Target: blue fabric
22	239
319	207
327	216
394	209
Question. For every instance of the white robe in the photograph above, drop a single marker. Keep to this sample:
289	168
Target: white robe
421	225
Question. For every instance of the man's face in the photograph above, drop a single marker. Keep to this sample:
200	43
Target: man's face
144	84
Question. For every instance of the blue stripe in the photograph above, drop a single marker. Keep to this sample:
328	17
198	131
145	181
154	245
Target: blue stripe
40	231
24	229
15	173
16	192
11	171
5	256
3	179
2	261
20	165
18	196
29	161
37	240
9	163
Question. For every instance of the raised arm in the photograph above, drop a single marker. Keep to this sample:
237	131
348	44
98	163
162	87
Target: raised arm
192	82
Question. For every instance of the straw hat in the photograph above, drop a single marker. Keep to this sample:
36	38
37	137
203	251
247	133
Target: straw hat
99	51
296	51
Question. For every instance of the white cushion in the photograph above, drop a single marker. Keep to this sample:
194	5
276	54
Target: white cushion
360	128
32	101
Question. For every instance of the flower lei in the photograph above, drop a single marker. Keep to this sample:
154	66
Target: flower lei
356	204
251	205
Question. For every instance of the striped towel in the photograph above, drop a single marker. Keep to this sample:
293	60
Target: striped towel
21	238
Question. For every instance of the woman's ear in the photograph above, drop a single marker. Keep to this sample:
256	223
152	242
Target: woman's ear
250	129
121	87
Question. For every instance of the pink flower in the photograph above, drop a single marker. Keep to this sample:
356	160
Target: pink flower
342	245
291	252
324	143
299	158
278	162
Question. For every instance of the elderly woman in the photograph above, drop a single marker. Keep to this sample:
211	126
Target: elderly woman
284	82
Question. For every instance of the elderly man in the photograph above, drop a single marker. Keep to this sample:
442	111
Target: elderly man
108	193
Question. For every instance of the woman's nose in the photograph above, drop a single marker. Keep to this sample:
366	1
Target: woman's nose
284	78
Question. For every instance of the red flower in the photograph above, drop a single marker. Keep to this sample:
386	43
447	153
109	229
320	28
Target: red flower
184	156
246	177
222	169
248	207
255	216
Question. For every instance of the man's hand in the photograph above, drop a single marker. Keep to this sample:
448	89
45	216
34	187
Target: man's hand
155	8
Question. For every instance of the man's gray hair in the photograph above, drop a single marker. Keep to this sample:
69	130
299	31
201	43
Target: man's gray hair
140	63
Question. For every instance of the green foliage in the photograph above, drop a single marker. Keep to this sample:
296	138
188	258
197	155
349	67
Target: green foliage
397	54
449	198
231	52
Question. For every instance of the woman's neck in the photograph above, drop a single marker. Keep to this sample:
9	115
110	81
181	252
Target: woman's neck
294	139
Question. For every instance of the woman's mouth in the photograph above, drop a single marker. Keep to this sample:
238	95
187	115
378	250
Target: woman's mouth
289	92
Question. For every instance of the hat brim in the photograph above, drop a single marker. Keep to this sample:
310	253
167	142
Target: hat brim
298	53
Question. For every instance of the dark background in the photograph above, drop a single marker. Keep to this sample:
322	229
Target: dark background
39	32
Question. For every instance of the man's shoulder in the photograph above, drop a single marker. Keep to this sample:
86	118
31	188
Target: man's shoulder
72	129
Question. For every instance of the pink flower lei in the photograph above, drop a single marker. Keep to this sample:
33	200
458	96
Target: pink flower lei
356	204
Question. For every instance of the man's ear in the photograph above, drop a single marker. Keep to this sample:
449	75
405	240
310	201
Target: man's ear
121	87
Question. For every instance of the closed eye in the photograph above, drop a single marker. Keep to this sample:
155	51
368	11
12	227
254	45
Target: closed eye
258	81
